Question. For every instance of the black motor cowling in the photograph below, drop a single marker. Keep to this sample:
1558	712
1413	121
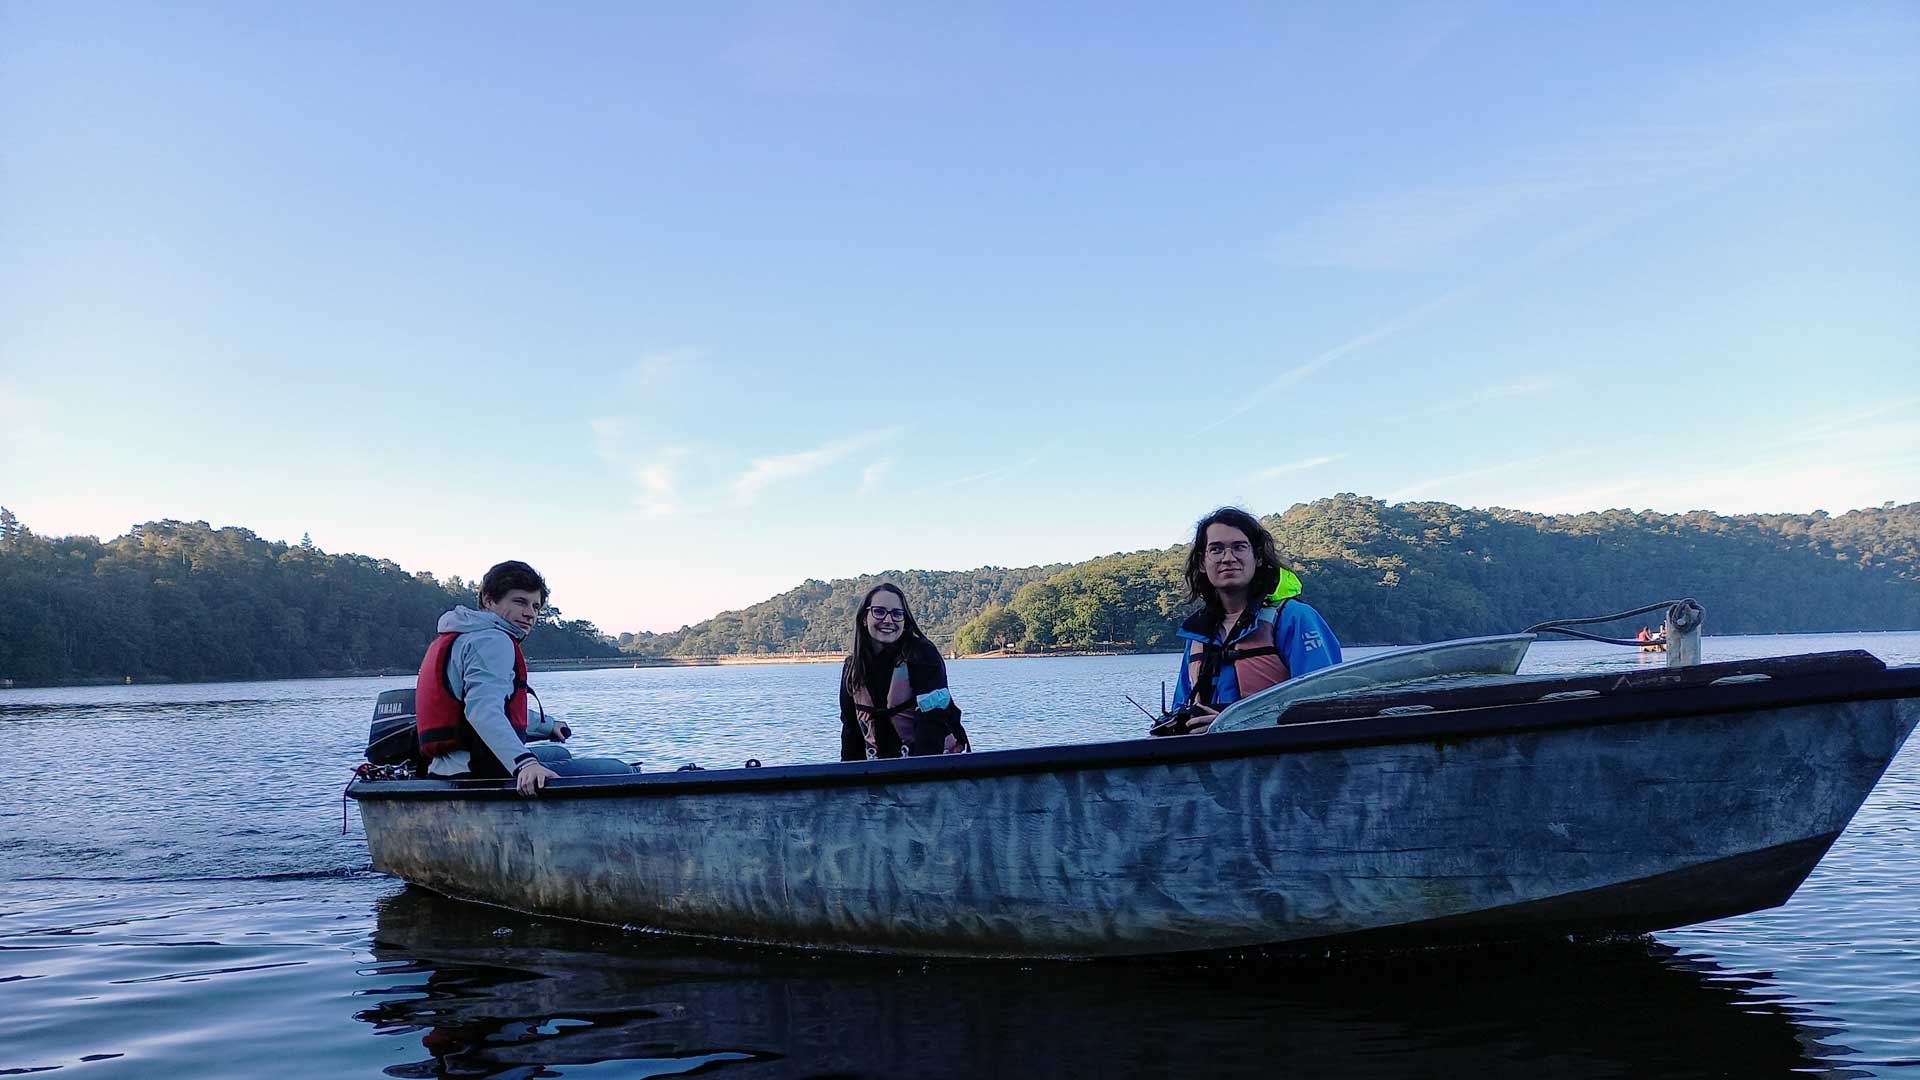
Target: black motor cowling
393	739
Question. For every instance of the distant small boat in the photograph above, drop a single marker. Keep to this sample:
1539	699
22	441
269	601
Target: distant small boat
1471	809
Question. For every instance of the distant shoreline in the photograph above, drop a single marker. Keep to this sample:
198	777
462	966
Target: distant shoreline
600	663
593	663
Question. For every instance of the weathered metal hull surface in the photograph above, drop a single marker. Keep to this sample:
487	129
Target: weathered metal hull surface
1549	820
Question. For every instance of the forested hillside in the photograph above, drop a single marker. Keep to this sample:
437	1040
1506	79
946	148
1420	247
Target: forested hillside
818	616
1411	572
182	600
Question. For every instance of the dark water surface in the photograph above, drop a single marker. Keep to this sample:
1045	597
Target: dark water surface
177	900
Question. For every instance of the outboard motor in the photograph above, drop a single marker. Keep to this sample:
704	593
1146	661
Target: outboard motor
393	740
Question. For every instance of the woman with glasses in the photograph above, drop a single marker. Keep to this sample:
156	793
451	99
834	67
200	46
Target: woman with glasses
1252	633
893	688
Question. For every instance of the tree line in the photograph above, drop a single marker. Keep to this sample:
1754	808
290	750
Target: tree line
818	616
183	600
1400	574
1414	572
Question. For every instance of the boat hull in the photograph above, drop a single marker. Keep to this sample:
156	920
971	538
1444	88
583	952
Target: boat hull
1541	820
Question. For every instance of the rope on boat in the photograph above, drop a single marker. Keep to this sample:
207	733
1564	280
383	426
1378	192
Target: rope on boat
366	770
1562	626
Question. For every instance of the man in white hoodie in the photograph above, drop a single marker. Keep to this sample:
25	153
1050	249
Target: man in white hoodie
470	703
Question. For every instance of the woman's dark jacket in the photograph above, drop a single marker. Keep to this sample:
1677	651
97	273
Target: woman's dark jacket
927	672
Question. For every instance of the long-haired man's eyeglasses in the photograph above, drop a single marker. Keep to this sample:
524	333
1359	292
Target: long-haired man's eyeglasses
887	614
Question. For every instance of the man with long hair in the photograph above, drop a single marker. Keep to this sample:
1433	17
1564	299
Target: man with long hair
1252	631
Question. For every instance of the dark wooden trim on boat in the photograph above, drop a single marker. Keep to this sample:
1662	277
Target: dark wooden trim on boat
1459	714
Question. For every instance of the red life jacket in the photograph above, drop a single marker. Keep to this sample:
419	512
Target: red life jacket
1255	658
441	719
900	711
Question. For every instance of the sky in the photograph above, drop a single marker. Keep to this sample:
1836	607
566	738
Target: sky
686	304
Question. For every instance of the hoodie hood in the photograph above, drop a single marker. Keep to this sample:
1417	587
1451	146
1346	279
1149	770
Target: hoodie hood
465	620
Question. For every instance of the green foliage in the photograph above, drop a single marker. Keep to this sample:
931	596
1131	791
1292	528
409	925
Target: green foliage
1131	599
995	627
1425	571
182	600
818	616
1398	574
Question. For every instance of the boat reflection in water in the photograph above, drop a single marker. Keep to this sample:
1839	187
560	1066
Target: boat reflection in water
491	992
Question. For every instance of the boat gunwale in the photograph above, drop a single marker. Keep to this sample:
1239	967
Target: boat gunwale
1858	683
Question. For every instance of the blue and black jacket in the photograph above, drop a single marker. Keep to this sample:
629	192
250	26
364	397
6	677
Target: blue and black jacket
1300	638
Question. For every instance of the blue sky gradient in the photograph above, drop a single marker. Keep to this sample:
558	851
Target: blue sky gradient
687	306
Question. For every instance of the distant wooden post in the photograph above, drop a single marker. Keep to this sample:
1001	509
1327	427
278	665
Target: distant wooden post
1682	632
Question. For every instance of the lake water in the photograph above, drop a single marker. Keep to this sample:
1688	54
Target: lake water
178	900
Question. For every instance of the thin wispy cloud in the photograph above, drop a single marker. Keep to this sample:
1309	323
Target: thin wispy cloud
1425	31
1441	483
1389	231
1848	422
1858	462
657	483
654	471
609	436
764	473
1792	483
1448	486
998	473
1691	129
1012	468
659	474
1380	333
1402	228
1555	246
1297	466
654	474
1528	387
873	476
655	370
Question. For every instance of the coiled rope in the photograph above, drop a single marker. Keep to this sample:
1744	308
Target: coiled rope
1563	626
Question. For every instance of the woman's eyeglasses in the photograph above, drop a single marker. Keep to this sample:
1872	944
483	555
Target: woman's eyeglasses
887	614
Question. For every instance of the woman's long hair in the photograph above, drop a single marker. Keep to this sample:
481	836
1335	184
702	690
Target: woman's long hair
1266	556
864	651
